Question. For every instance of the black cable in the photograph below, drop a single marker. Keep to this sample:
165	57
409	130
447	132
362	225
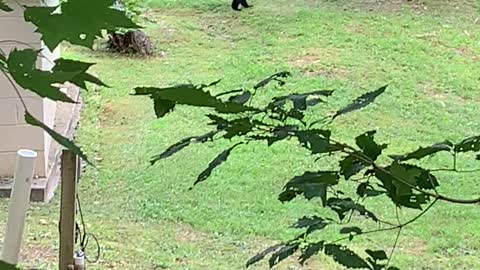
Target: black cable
84	236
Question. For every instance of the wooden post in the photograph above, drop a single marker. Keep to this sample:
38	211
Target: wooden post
68	206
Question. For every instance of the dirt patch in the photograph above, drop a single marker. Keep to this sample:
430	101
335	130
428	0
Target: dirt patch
438	95
305	60
465	7
467	53
355	29
188	234
317	62
33	255
119	112
220	27
415	247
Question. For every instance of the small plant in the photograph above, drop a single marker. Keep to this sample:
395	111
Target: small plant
347	174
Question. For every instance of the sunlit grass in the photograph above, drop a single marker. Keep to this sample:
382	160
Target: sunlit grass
147	216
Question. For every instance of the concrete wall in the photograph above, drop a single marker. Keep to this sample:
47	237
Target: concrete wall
14	132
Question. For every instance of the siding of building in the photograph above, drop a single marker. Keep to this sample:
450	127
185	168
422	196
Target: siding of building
14	132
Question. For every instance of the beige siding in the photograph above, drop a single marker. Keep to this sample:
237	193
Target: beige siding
8	164
14	132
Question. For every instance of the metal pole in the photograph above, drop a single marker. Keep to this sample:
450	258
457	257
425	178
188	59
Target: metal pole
19	202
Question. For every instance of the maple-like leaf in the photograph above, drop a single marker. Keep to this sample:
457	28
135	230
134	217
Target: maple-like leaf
67	65
80	22
22	67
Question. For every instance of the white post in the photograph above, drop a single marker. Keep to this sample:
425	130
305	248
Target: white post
19	202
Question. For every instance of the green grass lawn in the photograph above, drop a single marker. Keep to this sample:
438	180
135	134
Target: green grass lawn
145	217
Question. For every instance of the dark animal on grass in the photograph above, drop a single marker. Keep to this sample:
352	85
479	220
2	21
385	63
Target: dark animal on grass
239	4
130	42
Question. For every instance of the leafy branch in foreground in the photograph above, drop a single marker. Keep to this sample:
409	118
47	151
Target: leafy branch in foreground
56	24
397	177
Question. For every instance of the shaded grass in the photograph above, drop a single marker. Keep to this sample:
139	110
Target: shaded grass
146	218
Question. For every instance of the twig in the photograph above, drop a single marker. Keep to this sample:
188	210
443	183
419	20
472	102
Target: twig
394	246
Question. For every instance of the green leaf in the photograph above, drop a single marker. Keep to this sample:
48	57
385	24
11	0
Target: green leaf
4	7
80	68
30	119
189	94
352	229
345	256
221	158
412	175
22	67
310	184
242	98
406	175
469	144
365	189
182	144
274	77
311	250
283	253
278	133
360	102
350	166
300	101
162	107
368	145
260	256
312	224
424	151
230	92
236	127
399	180
377	255
317	141
80	22
345	205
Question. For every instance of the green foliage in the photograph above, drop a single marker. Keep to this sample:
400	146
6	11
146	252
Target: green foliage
222	157
407	185
80	22
68	25
4	6
6	266
21	65
310	185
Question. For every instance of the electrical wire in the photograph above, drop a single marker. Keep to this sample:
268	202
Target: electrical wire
84	236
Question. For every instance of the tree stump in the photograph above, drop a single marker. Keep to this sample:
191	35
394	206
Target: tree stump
130	42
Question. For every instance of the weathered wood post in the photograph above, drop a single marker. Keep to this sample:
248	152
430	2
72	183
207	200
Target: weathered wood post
69	169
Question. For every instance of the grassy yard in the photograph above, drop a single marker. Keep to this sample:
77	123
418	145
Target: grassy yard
145	217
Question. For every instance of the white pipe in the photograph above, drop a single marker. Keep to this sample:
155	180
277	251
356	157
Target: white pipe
19	202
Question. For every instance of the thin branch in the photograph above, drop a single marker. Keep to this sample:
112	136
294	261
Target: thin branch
399	226
397	215
394	246
455	161
456	171
367	160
